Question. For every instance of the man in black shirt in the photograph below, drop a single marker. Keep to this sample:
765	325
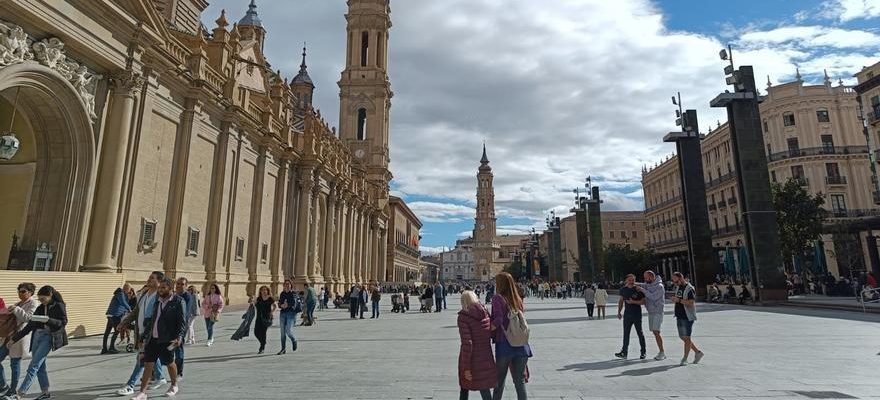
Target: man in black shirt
629	308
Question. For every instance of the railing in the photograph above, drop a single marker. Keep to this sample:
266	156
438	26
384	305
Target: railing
721	179
664	204
669	241
726	230
802	181
732	201
722	204
874	114
712	207
835	180
815	151
855	213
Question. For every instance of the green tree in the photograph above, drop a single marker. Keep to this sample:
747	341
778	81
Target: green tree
800	217
621	260
515	269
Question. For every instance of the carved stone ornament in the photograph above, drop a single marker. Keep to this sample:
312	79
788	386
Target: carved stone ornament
126	82
16	47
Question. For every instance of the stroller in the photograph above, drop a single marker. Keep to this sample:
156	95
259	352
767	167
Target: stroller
396	305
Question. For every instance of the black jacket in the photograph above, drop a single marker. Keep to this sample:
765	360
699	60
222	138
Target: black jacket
57	313
172	322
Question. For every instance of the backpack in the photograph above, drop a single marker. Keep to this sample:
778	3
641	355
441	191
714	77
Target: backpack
517	331
297	306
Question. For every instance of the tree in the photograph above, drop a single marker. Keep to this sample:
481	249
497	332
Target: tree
515	269
621	260
800	217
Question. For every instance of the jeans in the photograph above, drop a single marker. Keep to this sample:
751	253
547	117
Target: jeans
41	345
438	304
139	368
353	306
112	322
628	323
517	367
178	359
375	309
590	309
287	320
310	311
485	394
14	367
209	326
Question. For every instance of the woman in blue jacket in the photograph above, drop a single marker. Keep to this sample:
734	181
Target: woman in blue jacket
119	306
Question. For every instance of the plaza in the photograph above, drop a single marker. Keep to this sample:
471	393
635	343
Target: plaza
750	353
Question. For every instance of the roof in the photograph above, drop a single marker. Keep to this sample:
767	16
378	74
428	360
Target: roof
250	17
398	202
303	75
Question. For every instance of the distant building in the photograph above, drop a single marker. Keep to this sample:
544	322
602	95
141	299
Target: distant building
458	264
403	243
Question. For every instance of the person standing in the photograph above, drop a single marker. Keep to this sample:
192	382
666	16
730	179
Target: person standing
22	311
311	303
438	297
195	309
590	299
655	299
476	365
375	298
685	315
212	307
47	330
601	301
265	306
508	357
353	296
290	305
321	296
166	332
629	308
445	292
188	302
115	311
140	316
362	299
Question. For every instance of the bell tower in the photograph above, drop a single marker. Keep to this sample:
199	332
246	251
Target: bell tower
484	224
364	89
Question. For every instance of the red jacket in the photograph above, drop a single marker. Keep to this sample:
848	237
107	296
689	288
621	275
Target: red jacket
476	349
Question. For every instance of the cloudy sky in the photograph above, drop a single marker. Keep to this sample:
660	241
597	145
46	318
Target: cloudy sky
557	89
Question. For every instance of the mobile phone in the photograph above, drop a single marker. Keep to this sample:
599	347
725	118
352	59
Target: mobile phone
171	347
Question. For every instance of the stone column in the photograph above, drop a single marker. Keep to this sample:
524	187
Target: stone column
304	218
374	249
215	206
114	143
328	239
342	258
288	253
383	256
254	239
316	234
276	244
351	239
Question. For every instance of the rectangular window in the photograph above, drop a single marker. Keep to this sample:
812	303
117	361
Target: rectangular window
832	169
788	119
822	115
794	149
239	249
827	144
611	234
838	205
192	242
773	176
264	253
635	235
148	233
766	128
769	150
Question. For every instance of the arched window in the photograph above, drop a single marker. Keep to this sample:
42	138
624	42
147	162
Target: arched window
362	124
365	47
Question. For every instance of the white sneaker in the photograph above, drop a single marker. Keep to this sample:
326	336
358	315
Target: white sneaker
125	390
698	356
210	343
660	356
684	361
157	384
140	396
172	391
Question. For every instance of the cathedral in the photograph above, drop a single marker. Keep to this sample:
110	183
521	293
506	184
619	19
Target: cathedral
142	140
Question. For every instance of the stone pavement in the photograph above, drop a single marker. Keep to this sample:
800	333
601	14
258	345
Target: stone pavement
750	353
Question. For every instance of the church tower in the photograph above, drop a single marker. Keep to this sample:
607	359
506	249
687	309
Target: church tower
364	90
485	250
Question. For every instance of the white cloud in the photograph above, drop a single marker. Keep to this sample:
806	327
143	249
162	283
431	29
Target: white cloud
428	211
848	10
428	250
811	36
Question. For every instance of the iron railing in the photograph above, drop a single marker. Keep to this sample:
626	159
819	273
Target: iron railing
816	151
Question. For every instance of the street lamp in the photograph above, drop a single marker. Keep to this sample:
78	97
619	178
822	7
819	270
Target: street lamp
9	143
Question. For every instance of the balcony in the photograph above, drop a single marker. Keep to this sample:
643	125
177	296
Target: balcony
732	201
874	114
721	179
722	204
712	207
664	204
727	230
835	180
816	151
801	180
876	197
850	213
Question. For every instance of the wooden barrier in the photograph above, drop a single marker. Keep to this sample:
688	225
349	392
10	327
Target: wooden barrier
86	294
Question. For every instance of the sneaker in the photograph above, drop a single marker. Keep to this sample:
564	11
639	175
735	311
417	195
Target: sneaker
210	343
157	384
684	361
660	356
698	356
140	396
44	396
112	351
125	390
13	396
295	345
642	356
172	391
283	351
8	392
620	355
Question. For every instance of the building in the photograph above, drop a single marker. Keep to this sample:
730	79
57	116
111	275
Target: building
149	142
458	264
403	246
485	249
868	90
624	228
811	133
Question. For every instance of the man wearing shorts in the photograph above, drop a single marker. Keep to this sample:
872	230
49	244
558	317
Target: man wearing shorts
655	297
685	315
165	334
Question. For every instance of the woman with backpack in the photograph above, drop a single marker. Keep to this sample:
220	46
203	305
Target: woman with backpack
511	334
476	367
47	330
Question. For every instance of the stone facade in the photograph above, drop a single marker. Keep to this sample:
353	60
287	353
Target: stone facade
458	264
152	143
486	249
403	243
812	133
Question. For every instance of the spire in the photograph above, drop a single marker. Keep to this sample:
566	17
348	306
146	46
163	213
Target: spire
827	78
484	160
303	75
250	17
221	22
797	74
769	84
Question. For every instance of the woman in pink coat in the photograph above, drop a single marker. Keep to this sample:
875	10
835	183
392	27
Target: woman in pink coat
476	365
212	306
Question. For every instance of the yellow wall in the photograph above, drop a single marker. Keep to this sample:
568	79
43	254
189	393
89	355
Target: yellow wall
87	295
16	180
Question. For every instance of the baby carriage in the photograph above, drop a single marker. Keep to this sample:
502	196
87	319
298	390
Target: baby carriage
395	303
125	338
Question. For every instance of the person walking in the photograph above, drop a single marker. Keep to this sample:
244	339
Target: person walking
244	330
629	308
590	300
115	311
166	332
655	299
47	330
686	315
438	297
476	365
508	357
353	295
195	310
212	307
22	312
265	306
188	301
290	305
601	301
139	317
362	299
321	296
311	303
375	298
445	292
